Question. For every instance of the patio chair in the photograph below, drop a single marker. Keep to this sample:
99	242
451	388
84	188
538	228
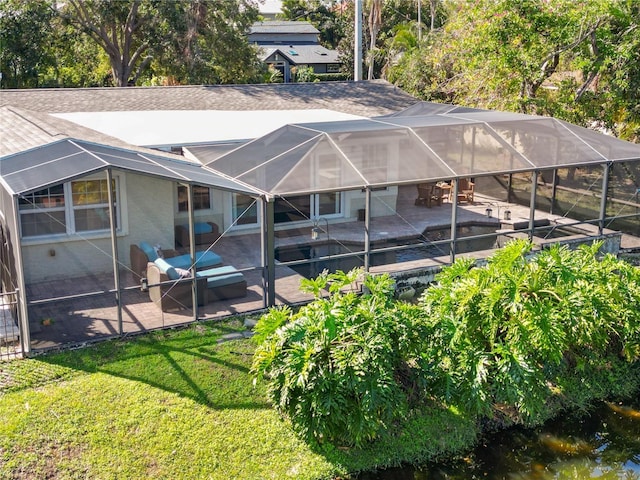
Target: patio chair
428	193
205	233
465	190
173	296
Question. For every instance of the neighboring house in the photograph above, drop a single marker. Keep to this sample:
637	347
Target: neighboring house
286	45
270	9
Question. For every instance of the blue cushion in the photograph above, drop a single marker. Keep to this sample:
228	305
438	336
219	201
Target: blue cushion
201	227
221	276
149	251
167	268
205	259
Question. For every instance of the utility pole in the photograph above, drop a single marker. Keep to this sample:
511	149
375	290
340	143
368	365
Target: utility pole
419	21
357	50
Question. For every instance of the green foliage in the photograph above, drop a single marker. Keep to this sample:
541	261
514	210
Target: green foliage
304	74
25	41
501	342
341	366
323	15
572	60
500	335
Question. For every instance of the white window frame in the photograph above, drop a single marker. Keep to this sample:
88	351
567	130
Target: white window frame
182	212
315	207
69	209
232	213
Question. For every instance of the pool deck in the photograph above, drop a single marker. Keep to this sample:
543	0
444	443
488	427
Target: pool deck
77	320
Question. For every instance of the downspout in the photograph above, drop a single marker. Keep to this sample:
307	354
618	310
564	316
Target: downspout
454	221
603	198
532	204
21	297
367	228
113	223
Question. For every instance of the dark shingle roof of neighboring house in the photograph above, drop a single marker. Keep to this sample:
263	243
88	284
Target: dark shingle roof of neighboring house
364	98
277	27
302	54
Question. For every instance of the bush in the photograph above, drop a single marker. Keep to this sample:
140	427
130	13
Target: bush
500	335
503	342
340	368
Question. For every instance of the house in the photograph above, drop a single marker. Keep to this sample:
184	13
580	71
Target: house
79	197
286	45
270	9
59	153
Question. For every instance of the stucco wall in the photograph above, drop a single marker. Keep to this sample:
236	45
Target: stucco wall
383	202
147	214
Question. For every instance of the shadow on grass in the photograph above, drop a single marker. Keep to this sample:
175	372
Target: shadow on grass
432	434
190	362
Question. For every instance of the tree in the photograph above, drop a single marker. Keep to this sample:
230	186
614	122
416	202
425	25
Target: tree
207	42
125	30
25	41
325	15
201	40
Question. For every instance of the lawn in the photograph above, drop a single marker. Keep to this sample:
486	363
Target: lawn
176	404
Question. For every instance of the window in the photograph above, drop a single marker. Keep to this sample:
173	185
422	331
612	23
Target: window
333	68
43	212
201	198
328	203
245	210
78	206
306	207
91	205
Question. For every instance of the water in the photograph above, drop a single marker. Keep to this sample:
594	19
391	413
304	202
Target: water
602	445
423	249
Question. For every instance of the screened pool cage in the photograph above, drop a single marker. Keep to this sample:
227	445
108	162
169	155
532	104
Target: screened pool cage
399	194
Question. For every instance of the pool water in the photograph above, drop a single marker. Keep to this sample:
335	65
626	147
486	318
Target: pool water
604	444
419	248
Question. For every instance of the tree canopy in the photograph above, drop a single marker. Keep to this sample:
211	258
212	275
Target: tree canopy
574	59
44	43
563	58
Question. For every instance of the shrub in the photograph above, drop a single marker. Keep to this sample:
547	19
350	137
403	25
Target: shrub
500	341
340	368
499	334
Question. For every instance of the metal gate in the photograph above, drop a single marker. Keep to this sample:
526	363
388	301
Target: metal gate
9	330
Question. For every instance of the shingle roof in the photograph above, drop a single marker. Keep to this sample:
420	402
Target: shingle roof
364	98
304	54
22	130
283	26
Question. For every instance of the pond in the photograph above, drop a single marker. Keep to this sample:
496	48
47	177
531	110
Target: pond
604	444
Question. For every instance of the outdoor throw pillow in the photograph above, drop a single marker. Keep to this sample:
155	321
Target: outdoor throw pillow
201	227
149	251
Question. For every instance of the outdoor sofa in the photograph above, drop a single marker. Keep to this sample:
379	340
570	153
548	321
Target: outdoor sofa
218	283
141	255
205	233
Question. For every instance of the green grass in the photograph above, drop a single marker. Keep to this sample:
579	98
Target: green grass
176	404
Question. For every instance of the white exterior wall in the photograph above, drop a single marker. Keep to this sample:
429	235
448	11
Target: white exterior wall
146	214
383	202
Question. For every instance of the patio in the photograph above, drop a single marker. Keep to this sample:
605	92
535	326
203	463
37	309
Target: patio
86	308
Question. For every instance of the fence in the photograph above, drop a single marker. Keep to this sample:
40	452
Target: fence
9	331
